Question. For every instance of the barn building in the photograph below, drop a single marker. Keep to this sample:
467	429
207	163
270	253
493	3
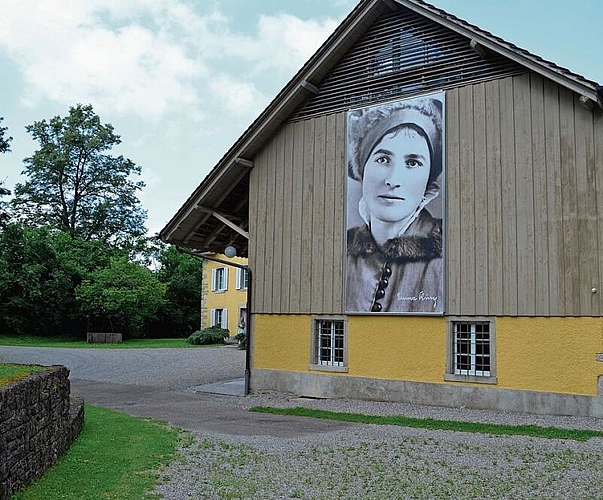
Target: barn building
502	247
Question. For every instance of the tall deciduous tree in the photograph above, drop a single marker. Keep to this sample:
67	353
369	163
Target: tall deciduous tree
4	138
180	313
4	148
75	185
125	293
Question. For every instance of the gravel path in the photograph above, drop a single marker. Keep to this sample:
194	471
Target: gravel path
383	462
246	455
164	368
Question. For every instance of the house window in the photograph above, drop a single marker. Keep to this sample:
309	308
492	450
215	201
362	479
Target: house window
329	344
219	279
242	279
471	353
219	318
405	51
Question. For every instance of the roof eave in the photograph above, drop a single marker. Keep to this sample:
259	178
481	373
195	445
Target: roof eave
285	103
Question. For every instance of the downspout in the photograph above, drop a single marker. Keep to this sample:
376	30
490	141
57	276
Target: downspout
248	322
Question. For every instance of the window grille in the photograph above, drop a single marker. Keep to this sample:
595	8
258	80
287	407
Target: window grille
472	348
330	339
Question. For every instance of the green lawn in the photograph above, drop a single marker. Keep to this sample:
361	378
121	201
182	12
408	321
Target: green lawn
11	373
32	341
115	457
432	424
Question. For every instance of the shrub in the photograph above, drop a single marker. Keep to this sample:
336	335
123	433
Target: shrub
242	338
211	335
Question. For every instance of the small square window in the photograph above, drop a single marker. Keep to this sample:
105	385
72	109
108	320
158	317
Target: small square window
471	350
329	343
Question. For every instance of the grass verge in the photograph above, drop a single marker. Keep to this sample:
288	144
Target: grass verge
11	372
432	424
115	457
31	341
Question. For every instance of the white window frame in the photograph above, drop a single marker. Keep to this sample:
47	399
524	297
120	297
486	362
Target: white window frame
219	279
474	371
219	317
333	338
242	279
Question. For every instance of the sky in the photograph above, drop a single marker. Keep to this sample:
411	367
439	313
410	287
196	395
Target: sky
180	80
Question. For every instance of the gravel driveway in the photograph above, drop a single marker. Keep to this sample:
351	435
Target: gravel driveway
165	368
239	454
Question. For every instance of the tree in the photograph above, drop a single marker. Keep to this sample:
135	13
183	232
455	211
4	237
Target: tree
124	293
40	269
4	148
75	186
4	140
180	313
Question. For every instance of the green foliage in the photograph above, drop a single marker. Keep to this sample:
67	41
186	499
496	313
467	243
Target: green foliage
211	335
180	310
115	456
242	339
40	269
430	423
125	293
4	139
75	186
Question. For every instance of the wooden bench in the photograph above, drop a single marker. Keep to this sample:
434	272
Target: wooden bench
104	338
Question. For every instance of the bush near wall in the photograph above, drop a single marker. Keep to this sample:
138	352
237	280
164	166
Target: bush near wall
38	423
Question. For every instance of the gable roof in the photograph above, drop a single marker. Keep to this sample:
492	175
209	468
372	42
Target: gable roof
215	215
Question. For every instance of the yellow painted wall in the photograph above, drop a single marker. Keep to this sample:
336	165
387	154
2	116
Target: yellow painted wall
538	354
231	299
549	354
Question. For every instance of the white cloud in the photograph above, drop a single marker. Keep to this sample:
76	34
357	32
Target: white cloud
150	58
238	97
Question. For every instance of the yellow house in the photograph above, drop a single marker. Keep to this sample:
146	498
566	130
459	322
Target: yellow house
422	209
224	294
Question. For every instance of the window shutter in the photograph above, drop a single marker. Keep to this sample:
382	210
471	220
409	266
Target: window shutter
213	282
213	317
224	318
225	278
239	280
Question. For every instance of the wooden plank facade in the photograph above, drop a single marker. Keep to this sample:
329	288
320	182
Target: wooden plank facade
524	213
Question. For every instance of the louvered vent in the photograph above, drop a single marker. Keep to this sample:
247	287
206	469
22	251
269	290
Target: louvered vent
402	54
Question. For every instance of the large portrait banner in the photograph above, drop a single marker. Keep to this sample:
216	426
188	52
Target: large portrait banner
395	205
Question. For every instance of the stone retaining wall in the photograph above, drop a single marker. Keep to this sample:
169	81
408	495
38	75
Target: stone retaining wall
38	423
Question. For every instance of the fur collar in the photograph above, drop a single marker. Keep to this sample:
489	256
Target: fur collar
422	241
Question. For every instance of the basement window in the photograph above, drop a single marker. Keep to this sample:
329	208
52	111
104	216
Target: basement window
471	350
329	344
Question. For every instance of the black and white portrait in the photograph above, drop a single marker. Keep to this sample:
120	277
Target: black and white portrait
395	207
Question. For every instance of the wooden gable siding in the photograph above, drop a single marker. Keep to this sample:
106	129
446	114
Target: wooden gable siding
524	222
297	225
402	54
524	164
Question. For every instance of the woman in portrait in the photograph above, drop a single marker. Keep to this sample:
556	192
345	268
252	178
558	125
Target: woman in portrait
394	256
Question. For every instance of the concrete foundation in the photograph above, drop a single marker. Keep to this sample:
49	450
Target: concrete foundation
450	395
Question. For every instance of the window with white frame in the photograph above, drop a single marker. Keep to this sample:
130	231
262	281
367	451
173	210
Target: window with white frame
471	350
242	279
219	318
219	279
329	342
